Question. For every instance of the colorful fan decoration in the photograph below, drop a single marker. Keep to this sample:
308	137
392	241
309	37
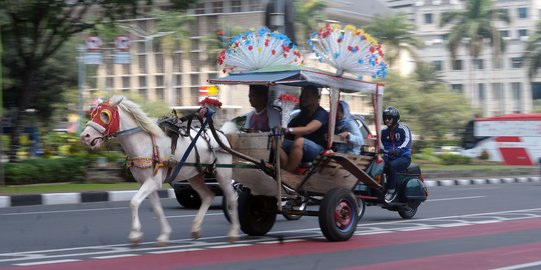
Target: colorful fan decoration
349	49
258	49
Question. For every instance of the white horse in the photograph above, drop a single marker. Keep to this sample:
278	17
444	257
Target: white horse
147	147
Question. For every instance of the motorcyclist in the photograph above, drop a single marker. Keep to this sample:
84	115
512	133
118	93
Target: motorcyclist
396	141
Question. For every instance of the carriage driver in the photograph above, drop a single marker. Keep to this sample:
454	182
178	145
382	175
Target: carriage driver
305	137
396	140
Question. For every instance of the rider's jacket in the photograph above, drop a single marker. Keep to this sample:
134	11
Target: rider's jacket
398	139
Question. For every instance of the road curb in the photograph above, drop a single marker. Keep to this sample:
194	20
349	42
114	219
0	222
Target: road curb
126	195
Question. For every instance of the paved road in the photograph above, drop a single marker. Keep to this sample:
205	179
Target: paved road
470	227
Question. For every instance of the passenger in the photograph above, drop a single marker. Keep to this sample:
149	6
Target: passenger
306	131
263	117
348	130
396	141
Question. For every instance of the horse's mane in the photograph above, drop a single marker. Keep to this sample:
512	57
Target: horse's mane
140	117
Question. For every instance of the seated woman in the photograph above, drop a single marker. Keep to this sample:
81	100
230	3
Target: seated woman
348	131
264	117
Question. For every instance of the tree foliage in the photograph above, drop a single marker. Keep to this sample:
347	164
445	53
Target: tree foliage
475	23
429	109
307	15
395	32
532	53
35	31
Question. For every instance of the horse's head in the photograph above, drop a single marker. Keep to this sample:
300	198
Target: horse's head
104	123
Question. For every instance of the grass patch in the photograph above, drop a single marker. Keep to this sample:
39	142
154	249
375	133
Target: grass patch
65	187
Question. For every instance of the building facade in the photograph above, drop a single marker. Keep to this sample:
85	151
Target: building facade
495	85
174	76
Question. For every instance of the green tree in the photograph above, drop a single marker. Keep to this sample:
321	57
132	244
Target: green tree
471	26
37	30
427	76
395	32
308	13
532	53
431	113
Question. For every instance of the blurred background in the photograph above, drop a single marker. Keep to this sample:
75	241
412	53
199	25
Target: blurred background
450	62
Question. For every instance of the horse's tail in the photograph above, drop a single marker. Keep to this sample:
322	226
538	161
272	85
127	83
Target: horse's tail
230	131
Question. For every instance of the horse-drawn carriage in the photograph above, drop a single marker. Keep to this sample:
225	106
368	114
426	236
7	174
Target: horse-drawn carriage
336	182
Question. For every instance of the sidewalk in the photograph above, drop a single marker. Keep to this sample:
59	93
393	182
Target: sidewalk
126	195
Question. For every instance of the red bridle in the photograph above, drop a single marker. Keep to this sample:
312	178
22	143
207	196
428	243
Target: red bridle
105	119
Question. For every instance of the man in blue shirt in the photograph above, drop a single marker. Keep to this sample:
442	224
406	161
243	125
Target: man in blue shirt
396	140
306	132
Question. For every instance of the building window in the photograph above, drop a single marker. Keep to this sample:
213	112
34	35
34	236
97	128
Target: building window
194	78
126	82
457	64
516	88
199	8
504	33
217	7
522	13
481	91
504	11
178	80
254	5
459	88
438	65
142	64
159	63
159	80
522	32
177	62
109	83
141	48
516	62
428	18
478	63
445	37
194	61
236	6
142	81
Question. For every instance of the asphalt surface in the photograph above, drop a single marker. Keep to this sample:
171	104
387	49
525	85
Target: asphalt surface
126	195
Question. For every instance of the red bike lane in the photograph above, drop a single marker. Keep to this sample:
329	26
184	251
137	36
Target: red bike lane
488	258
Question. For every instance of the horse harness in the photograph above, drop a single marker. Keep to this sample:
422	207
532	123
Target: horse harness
105	119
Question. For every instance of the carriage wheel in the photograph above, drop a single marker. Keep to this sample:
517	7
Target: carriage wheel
188	198
362	207
410	211
338	214
257	214
300	207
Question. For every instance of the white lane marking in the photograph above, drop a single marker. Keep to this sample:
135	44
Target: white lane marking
46	262
176	250
108	249
63	211
185	216
455	198
231	246
519	266
116	256
472	188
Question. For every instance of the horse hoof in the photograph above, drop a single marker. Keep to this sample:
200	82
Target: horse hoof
233	239
135	239
196	235
161	244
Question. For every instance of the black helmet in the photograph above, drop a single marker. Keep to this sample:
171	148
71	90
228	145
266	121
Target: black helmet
392	112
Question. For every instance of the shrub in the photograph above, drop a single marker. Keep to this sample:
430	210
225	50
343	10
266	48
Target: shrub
451	159
33	171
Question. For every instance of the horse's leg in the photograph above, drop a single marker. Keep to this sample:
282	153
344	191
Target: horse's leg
198	184
148	187
163	238
223	176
